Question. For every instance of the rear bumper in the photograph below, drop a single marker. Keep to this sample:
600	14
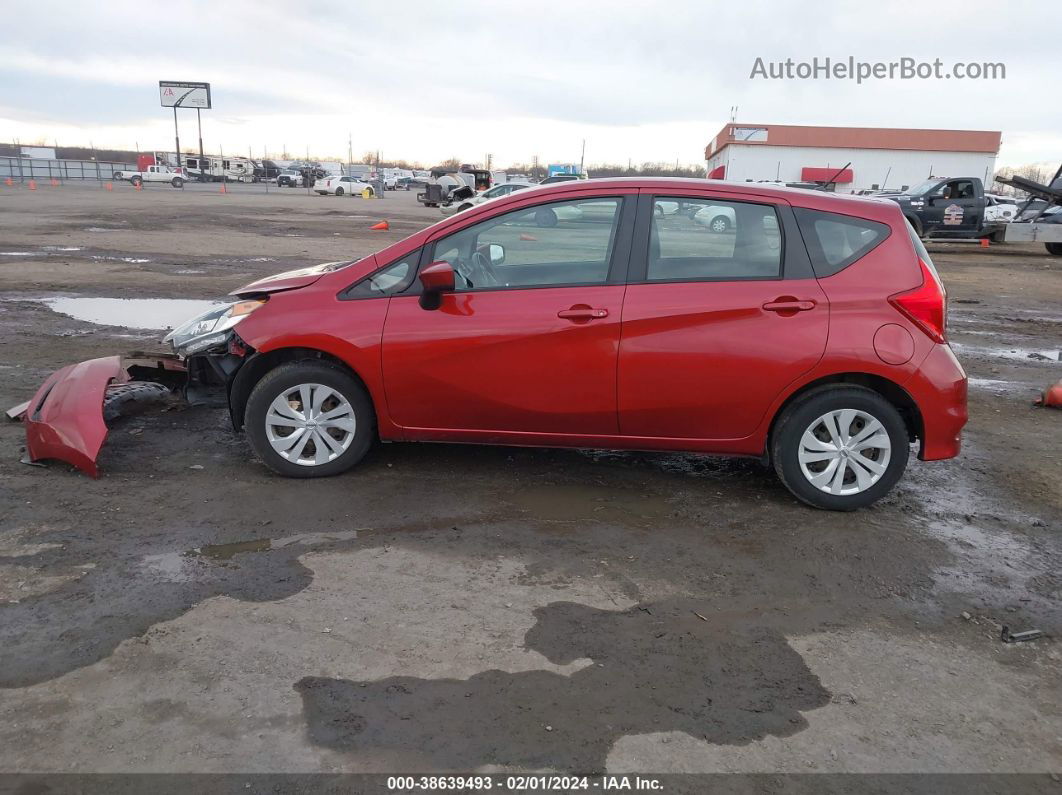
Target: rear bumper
939	389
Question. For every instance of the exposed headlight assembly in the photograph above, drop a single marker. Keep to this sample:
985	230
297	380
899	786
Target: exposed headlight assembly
210	328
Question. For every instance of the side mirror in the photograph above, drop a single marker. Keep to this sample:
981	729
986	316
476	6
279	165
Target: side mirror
436	279
496	253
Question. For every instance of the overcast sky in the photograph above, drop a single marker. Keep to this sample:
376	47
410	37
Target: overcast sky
427	80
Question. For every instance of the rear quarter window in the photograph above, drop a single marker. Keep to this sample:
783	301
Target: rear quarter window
835	241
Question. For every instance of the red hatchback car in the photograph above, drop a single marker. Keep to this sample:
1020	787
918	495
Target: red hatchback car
807	330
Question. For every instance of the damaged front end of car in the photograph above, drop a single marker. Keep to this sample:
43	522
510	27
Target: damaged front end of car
66	420
212	350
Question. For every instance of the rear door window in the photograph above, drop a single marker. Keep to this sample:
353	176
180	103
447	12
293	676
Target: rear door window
835	241
713	239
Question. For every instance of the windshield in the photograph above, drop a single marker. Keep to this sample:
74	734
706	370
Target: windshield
922	188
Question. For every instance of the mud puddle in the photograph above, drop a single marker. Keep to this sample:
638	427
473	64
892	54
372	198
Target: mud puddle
725	684
141	313
123	595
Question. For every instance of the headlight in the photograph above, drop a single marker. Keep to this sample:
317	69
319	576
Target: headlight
211	327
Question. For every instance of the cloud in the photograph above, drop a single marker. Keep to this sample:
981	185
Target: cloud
428	80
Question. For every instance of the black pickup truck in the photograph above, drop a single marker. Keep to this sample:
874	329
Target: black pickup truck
954	207
945	207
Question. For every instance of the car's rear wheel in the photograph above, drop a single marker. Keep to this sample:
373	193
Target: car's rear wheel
137	181
177	182
310	419
840	448
1054	248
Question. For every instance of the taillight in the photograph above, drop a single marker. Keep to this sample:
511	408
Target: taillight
926	305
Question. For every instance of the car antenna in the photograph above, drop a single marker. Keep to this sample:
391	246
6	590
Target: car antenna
833	179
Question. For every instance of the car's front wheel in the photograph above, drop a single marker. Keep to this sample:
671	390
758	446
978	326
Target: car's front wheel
339	191
310	419
719	224
840	448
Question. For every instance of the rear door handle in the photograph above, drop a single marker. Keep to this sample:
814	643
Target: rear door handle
582	313
788	305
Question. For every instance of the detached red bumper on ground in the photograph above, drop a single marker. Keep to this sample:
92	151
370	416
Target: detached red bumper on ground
64	421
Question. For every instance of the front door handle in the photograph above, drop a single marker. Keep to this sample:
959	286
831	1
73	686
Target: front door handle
582	313
788	305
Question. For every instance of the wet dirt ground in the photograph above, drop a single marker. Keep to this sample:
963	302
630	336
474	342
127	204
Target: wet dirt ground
461	608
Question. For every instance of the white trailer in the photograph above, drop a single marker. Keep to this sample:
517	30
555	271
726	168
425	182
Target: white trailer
212	168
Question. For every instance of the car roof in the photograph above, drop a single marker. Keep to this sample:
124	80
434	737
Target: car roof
801	197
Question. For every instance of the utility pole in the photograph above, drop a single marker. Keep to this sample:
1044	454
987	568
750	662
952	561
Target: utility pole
199	122
176	136
350	155
582	158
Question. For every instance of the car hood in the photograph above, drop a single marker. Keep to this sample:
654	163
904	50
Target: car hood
290	280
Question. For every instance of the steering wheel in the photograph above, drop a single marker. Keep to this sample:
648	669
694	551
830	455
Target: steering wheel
481	264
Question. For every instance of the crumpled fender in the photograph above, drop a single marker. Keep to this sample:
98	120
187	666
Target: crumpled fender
64	420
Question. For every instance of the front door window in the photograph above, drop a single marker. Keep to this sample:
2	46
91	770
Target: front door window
560	243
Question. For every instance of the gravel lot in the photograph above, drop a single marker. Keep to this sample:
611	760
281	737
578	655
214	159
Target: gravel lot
461	608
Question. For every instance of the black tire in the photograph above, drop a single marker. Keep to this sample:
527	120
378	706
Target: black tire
1054	248
719	224
119	399
136	181
916	223
177	182
339	191
545	217
802	413
289	376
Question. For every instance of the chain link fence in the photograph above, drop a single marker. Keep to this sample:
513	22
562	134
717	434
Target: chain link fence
38	168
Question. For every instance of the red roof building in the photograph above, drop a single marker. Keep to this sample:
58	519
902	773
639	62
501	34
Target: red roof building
854	158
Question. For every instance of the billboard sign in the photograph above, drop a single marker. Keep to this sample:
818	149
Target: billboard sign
184	95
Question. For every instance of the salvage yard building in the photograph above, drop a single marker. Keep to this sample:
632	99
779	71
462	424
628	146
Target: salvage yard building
880	158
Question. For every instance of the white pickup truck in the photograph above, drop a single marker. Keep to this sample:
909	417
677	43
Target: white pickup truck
175	176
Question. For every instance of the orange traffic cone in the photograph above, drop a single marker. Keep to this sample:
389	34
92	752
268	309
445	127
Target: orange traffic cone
9	182
108	186
984	242
32	185
1052	396
526	236
223	188
139	186
382	226
55	182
